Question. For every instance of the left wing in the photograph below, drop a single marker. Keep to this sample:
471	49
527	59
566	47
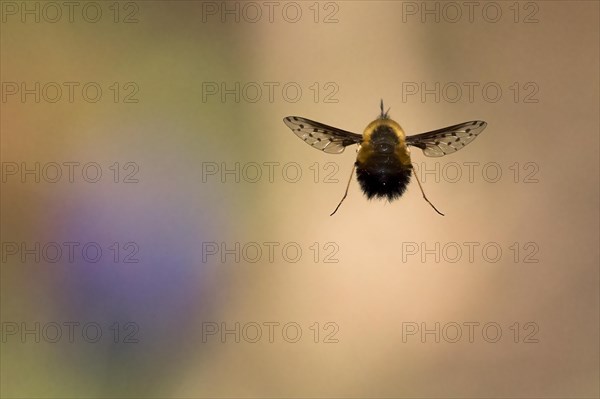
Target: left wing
446	140
322	137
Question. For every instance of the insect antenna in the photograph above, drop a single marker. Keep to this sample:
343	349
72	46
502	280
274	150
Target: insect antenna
346	192
423	192
383	115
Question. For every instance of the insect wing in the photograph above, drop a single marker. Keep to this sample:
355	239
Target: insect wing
447	140
323	137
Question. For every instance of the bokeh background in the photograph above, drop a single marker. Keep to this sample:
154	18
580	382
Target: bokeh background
166	129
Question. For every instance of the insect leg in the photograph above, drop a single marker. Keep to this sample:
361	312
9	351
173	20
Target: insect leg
423	192
346	192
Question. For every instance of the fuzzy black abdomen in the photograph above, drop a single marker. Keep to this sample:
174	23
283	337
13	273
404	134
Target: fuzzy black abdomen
383	176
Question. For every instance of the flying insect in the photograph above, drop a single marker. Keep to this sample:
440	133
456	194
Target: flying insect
383	164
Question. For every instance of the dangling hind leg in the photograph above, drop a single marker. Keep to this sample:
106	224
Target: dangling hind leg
423	192
346	192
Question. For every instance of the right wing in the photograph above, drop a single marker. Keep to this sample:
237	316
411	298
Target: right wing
448	139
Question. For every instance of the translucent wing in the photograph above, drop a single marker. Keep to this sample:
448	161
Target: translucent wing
447	140
325	138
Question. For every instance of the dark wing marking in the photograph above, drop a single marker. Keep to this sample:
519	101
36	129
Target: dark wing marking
325	138
446	140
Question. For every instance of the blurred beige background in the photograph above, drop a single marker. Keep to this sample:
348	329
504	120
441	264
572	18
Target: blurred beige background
379	274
